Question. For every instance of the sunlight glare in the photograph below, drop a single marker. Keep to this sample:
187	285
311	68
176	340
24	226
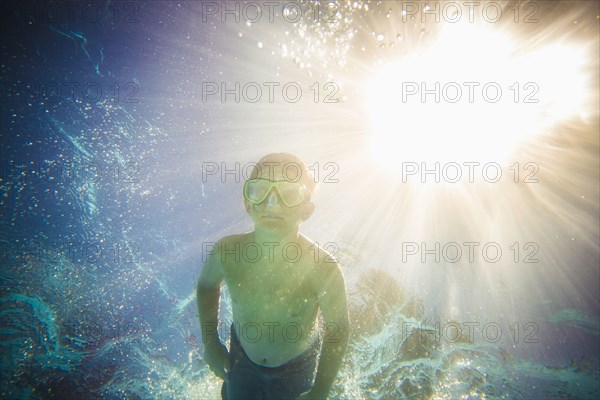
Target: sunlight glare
472	95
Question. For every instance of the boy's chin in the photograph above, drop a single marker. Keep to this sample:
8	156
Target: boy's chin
272	224
275	224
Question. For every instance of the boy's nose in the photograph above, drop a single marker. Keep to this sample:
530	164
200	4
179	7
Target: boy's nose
273	199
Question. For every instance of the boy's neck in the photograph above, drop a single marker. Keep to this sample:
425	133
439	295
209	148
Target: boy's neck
280	237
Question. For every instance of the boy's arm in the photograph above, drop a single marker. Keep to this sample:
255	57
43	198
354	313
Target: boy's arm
207	296
334	309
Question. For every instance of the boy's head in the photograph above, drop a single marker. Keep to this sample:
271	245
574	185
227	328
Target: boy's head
284	167
279	190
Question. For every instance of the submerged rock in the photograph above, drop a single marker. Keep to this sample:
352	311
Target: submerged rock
375	299
419	343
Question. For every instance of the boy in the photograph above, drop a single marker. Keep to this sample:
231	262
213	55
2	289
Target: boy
278	281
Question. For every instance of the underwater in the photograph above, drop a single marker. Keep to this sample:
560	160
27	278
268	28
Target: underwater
455	149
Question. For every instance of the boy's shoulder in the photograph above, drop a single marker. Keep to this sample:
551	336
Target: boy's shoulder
235	238
228	244
323	256
326	268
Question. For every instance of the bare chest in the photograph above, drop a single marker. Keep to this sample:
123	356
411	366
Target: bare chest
271	290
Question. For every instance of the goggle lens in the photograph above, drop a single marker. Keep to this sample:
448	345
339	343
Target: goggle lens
257	190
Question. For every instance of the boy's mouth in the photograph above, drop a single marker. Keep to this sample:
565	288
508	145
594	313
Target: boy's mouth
272	216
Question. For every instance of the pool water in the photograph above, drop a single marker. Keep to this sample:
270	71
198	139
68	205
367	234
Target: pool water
116	142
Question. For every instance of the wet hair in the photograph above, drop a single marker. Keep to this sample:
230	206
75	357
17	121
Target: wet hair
293	169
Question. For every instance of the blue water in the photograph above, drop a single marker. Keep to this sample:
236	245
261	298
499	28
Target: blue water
105	214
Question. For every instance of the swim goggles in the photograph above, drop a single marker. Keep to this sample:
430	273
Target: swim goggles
291	193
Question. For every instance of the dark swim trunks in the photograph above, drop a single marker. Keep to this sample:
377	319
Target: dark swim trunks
248	380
